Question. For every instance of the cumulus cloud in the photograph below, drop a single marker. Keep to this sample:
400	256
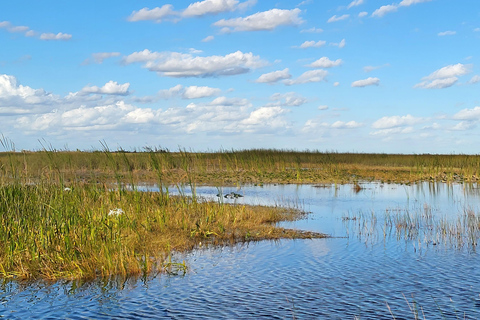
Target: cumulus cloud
274	76
383	10
444	77
354	3
475	79
208	39
174	64
447	33
325	62
31	33
340	18
308	77
156	14
209	7
346	125
111	87
18	99
267	20
323	107
289	99
392	131
370	81
395	121
363	14
53	36
463	125
311	44
468	114
194	92
406	3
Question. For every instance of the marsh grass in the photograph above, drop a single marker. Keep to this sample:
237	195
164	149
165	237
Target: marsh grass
242	167
423	228
59	221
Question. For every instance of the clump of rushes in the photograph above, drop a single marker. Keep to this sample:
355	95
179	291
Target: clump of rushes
89	230
83	229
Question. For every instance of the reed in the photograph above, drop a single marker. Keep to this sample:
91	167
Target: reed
243	166
56	222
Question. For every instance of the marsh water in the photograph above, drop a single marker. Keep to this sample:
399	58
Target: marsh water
364	271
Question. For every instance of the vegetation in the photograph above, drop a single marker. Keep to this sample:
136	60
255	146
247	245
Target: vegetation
57	220
241	167
73	214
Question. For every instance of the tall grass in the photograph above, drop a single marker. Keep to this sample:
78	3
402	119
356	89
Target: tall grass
244	166
71	215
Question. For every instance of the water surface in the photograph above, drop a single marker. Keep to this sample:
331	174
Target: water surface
355	274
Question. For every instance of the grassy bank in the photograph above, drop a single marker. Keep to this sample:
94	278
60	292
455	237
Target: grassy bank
240	167
69	215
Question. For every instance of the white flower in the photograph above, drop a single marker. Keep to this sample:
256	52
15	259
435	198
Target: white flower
67	189
116	212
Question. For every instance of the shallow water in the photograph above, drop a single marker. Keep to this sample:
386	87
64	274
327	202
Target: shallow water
353	275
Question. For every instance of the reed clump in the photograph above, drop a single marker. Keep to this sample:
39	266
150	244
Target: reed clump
55	223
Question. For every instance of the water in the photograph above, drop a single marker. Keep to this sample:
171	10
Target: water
355	275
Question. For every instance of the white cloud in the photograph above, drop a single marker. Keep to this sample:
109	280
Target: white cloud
322	107
444	77
325	62
174	64
111	87
363	14
406	3
267	20
208	39
464	125
468	114
209	7
30	33
53	36
170	93
372	68
476	29
383	10
18	99
274	76
354	3
395	121
475	79
311	44
263	115
289	99
336	84
392	131
366	82
308	77
340	18
312	30
447	33
157	14
346	125
194	92
341	44
437	83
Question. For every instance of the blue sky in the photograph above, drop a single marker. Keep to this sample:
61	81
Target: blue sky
354	75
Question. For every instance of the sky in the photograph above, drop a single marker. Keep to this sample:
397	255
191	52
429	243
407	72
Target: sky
346	76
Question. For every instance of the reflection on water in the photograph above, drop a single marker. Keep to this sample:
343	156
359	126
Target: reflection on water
344	277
